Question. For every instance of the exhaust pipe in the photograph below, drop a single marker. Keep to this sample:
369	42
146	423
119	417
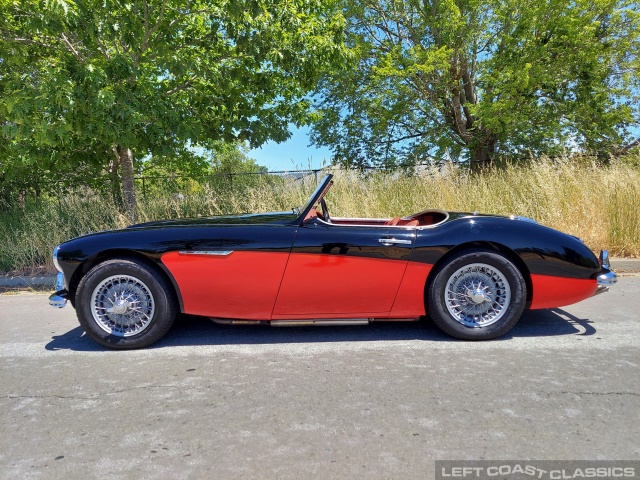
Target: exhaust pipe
231	321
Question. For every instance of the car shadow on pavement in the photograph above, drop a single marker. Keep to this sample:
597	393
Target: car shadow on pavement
76	340
192	330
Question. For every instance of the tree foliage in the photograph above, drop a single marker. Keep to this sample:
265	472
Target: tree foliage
226	166
223	158
473	79
87	82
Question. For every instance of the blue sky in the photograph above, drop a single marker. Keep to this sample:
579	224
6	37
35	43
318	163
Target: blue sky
294	154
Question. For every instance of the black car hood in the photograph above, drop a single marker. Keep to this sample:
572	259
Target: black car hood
244	219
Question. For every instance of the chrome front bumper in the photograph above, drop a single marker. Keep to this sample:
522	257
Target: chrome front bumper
606	277
59	298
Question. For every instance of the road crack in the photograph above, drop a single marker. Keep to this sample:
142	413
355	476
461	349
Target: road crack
95	396
580	394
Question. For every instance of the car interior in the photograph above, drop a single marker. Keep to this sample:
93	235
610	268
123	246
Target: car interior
320	212
427	218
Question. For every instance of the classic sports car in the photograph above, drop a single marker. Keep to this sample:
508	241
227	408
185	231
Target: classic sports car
474	275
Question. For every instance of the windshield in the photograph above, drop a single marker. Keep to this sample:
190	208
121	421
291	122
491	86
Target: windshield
320	191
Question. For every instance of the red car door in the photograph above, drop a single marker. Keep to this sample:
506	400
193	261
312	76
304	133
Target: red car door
338	270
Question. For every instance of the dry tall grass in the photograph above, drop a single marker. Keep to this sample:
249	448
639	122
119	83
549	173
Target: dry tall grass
599	204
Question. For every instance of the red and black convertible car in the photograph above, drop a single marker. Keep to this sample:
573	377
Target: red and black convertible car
472	274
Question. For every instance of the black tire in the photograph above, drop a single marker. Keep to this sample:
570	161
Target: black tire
148	315
489	310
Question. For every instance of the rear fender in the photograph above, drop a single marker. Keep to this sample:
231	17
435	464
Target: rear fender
505	251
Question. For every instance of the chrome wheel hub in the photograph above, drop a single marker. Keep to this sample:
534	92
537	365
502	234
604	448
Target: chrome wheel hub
477	295
122	305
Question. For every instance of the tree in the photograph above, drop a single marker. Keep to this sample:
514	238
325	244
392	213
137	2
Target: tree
230	158
473	79
103	82
223	159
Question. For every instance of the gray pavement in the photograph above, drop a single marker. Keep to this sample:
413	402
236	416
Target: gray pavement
380	401
626	265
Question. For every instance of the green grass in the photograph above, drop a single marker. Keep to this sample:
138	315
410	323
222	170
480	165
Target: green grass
599	204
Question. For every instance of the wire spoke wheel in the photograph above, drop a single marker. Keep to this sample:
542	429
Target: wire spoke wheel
122	305
477	295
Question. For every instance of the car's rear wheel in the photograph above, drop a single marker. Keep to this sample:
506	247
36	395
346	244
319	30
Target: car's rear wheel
124	303
476	295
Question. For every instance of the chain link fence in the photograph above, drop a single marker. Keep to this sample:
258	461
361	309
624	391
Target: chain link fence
221	182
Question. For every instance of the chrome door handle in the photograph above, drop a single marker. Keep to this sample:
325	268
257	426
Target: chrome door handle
393	241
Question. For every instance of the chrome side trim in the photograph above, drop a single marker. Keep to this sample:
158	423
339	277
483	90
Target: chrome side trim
219	253
368	226
320	323
361	218
521	218
394	319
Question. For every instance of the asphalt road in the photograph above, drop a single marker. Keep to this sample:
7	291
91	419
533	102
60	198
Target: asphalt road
380	401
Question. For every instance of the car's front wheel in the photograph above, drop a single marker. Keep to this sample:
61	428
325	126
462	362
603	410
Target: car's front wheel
477	295
123	303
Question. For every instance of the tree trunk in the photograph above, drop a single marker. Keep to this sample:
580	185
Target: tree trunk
628	147
128	185
114	179
481	155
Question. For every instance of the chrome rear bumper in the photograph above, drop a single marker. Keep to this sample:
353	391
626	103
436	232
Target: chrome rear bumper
606	277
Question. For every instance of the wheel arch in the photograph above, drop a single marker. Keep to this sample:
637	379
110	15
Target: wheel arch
511	255
124	254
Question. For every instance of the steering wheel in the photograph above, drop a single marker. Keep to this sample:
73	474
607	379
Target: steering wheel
325	211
